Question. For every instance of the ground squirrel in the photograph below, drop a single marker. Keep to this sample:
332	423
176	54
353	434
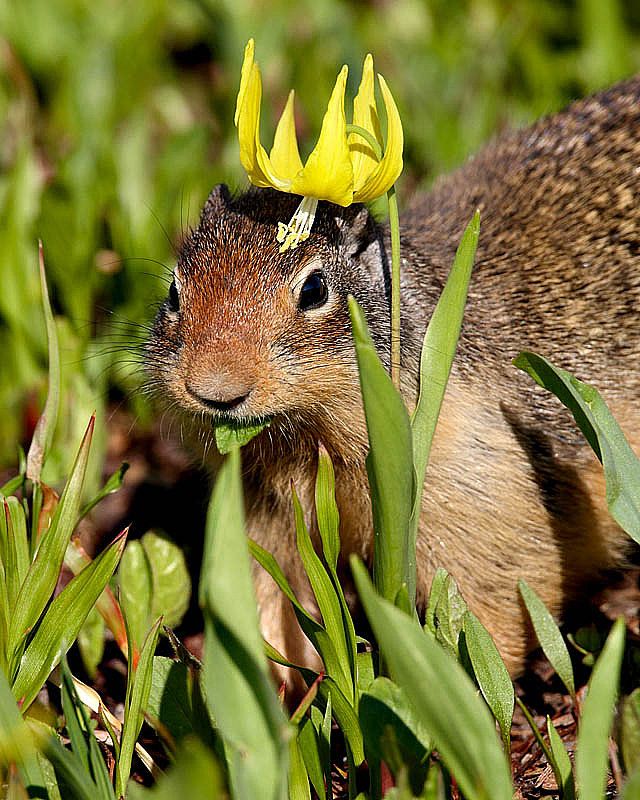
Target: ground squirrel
512	489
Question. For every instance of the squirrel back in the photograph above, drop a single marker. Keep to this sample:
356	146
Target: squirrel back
512	490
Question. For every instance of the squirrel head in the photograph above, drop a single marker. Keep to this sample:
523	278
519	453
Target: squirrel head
249	333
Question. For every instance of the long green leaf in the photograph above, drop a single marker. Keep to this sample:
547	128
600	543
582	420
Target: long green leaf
389	466
315	632
327	599
438	351
491	674
43	573
561	763
63	619
549	636
113	483
621	465
236	679
597	717
43	434
16	742
443	696
137	697
329	528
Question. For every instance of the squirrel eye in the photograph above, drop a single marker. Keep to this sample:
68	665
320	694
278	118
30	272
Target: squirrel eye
174	298
314	292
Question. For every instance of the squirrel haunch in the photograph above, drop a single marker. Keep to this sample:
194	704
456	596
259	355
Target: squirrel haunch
512	489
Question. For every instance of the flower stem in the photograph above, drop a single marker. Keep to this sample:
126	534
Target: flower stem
394	223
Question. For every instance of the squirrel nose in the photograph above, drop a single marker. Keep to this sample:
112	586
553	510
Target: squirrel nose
219	396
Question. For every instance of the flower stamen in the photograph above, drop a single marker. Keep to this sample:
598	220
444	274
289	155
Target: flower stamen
299	226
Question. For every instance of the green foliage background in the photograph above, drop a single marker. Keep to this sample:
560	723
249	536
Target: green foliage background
116	119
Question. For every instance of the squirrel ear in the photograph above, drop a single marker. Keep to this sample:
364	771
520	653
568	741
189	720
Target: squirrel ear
217	201
357	228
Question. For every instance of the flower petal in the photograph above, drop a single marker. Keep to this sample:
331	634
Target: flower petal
328	174
387	171
365	115
285	156
247	118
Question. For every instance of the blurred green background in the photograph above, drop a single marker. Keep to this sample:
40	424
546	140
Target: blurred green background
116	119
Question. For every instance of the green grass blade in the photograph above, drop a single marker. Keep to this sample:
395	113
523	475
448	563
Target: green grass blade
137	697
329	528
19	538
491	674
327	509
42	576
561	763
114	482
389	466
16	742
443	696
236	679
63	619
597	717
80	733
43	434
549	636
438	351
308	744
75	782
327	599
630	731
620	463
299	788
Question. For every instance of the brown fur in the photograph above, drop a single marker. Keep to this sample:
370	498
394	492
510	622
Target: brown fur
512	489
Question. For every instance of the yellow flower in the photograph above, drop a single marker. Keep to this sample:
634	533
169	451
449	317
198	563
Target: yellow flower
342	168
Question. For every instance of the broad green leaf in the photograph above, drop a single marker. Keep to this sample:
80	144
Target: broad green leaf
443	696
390	454
136	703
43	573
194	775
597	717
73	779
621	465
438	351
170	697
63	619
230	436
439	583
134	580
392	730
630	731
114	482
327	599
447	614
561	763
170	578
237	683
91	641
299	788
549	636
491	674
16	742
43	434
